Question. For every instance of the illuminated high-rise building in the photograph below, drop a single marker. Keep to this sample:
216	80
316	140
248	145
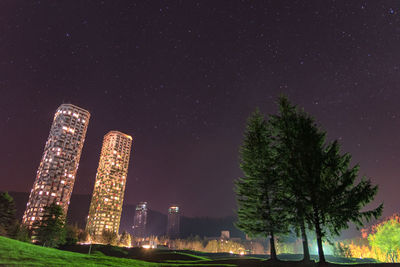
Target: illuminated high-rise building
140	220
108	193
56	174
173	223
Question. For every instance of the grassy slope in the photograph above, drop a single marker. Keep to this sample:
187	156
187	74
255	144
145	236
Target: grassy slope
14	252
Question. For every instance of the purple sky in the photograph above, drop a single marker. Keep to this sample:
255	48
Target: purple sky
181	77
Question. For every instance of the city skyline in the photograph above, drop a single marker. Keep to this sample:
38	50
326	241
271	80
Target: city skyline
62	150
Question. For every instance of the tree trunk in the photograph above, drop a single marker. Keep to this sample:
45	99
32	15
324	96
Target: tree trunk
306	252
318	232
320	250
272	249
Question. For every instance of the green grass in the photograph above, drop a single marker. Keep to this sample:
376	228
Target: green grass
14	252
200	258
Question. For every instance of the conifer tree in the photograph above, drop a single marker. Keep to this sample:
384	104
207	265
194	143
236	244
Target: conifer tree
292	142
259	212
337	199
321	185
7	214
50	230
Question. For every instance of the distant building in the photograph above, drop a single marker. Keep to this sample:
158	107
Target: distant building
108	193
56	174
173	224
140	220
225	234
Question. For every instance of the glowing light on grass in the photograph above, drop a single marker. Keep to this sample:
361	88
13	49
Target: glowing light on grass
148	246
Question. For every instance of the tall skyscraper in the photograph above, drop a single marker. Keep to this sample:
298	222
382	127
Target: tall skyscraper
173	223
108	193
57	170
140	220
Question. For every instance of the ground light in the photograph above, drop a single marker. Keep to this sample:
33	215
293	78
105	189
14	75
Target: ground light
148	246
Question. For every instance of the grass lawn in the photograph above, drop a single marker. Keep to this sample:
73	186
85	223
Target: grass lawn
195	258
14	252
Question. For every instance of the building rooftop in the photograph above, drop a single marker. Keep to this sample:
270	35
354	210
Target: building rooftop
119	133
71	105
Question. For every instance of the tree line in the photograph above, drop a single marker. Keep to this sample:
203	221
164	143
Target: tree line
52	230
296	180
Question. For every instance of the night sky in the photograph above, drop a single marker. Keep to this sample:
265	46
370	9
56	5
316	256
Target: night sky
181	77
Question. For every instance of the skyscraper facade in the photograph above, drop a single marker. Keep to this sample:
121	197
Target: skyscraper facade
173	224
56	174
140	220
108	193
